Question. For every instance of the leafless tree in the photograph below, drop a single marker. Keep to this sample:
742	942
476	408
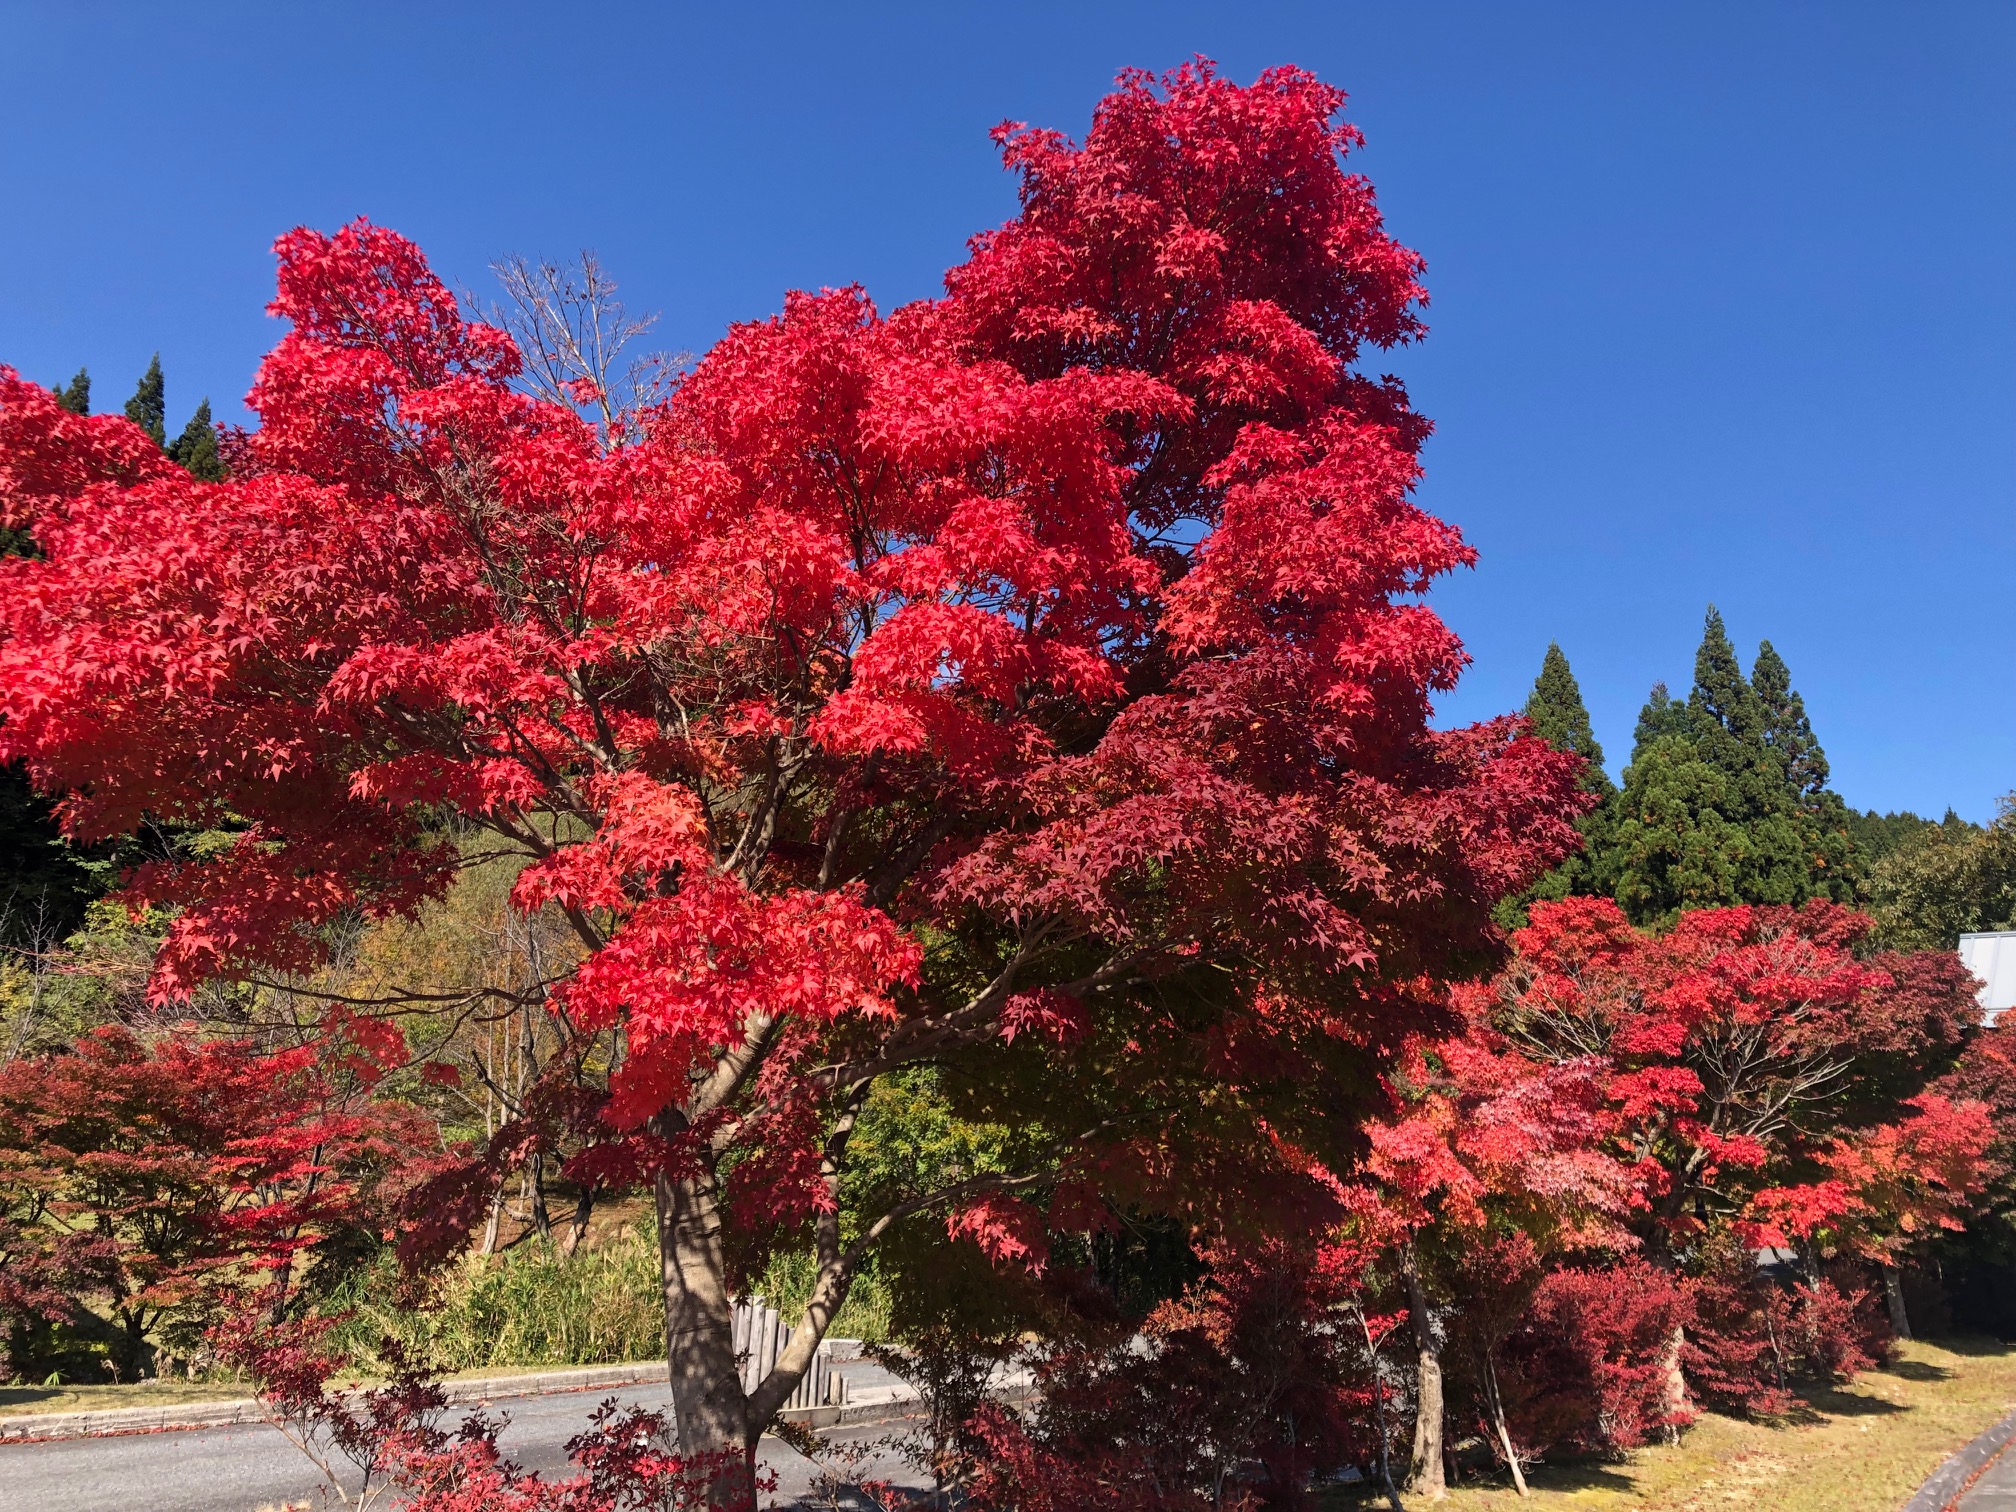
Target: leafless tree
578	341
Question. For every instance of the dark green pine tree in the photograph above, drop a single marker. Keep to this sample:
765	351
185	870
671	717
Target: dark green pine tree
196	448
1727	717
1787	730
77	397
1706	816
1838	864
1562	720
1660	716
148	408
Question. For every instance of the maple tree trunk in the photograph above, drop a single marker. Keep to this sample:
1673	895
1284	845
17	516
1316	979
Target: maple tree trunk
1424	1469
535	1192
577	1226
1893	1294
1676	1384
493	1222
707	1397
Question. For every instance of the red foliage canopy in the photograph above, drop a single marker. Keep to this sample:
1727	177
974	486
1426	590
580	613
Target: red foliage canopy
1069	620
161	1177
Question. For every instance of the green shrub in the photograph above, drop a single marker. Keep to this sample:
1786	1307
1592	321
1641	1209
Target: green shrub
533	1306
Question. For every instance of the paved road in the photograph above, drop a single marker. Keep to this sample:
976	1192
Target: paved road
1996	1490
242	1469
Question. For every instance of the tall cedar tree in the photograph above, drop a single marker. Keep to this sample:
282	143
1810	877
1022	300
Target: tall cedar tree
1709	815
1660	716
1560	718
195	450
1839	867
148	408
76	398
1031	682
1787	731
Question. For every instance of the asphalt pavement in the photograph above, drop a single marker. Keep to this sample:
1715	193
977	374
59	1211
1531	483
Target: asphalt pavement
245	1468
1996	1490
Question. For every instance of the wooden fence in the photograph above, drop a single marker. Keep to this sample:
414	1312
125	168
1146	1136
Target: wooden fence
760	1337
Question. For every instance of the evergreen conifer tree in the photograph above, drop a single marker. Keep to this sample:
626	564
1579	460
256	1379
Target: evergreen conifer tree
1562	720
1838	863
77	397
148	408
196	448
1708	814
1787	731
1723	707
1660	716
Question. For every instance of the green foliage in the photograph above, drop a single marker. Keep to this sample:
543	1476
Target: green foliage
531	1306
787	1286
196	448
535	1306
1877	835
1660	717
910	1140
1562	720
148	408
1725	800
77	397
1788	735
1948	880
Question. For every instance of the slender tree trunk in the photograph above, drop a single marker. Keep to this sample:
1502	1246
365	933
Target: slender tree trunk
707	1397
1893	1293
494	1221
535	1185
577	1226
1424	1468
1379	1403
1497	1406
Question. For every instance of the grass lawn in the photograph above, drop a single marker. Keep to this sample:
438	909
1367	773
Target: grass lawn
1864	1448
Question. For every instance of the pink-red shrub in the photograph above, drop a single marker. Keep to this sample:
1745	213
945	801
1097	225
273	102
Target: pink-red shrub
1590	1367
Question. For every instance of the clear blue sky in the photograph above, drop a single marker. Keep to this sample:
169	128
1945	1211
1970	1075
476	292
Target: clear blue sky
1724	295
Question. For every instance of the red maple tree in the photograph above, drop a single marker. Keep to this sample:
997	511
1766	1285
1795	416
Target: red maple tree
162	1179
1774	1086
1033	676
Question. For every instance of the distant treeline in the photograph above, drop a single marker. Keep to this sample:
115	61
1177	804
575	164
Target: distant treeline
1727	800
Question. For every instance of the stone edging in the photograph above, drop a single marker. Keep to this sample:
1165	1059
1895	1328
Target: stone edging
1950	1481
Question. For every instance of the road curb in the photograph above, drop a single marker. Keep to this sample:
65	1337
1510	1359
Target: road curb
1950	1481
30	1427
